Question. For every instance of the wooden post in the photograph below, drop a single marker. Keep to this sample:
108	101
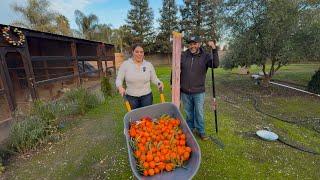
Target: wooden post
99	62
114	60
24	52
45	63
176	59
6	85
105	59
75	63
45	66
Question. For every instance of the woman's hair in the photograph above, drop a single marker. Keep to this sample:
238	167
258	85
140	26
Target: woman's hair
134	46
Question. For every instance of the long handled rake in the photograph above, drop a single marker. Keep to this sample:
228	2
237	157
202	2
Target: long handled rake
214	106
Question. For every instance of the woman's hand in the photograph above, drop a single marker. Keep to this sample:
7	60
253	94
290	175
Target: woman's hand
122	91
160	86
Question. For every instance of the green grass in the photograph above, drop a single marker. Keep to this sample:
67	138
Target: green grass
295	73
93	146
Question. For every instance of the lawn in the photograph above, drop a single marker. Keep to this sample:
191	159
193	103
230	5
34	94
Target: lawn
299	74
93	146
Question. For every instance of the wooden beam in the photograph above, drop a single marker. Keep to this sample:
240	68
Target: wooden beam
62	78
56	37
52	58
53	80
109	56
2	92
47	68
104	57
45	64
176	59
75	63
83	67
88	58
44	35
112	57
99	62
88	72
24	52
7	86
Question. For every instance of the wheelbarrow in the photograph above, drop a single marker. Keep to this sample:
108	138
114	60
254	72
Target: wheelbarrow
155	111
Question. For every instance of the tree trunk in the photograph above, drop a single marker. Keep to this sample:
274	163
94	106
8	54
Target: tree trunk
265	82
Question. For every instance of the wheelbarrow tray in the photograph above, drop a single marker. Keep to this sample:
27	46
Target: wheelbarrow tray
155	111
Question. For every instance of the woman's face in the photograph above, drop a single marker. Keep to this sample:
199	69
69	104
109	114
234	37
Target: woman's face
138	54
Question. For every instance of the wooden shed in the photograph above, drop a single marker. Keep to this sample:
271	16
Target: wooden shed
44	65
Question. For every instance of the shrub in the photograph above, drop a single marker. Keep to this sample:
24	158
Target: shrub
81	100
46	111
27	133
42	122
1	167
29	130
314	83
106	87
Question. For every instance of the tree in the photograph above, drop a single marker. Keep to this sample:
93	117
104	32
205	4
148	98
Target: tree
212	19
264	31
200	17
122	38
168	24
62	25
36	16
103	33
86	24
307	37
186	18
139	20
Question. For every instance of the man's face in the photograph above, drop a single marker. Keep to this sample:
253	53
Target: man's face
194	47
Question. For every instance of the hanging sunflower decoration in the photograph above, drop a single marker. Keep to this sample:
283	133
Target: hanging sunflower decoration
16	38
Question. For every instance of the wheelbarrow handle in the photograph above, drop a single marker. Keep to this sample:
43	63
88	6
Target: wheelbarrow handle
126	102
161	94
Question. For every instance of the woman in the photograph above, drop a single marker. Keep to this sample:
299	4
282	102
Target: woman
137	73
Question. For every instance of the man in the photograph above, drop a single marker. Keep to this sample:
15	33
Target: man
194	65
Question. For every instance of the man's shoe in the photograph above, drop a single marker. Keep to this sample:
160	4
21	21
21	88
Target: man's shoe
204	137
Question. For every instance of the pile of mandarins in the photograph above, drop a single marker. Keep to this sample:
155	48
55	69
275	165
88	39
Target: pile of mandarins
158	145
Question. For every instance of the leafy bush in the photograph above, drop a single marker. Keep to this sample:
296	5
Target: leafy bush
46	112
314	83
26	134
81	100
29	130
33	128
1	166
106	87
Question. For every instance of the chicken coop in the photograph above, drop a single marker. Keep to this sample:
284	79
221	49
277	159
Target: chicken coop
38	65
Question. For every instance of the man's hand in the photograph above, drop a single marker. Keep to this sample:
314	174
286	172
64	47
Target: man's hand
212	44
122	91
214	104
